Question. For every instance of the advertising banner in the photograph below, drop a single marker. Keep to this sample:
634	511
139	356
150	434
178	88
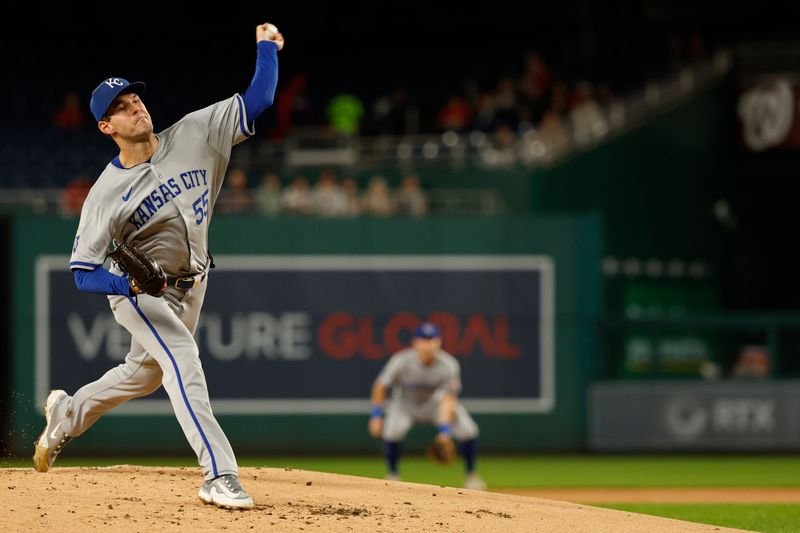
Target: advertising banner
704	416
309	334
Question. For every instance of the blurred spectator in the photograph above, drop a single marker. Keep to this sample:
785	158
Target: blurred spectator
486	114
555	134
506	102
588	122
292	106
235	197
296	197
535	83
390	113
753	362
503	151
525	120
352	199
268	196
456	114
344	113
411	201
70	116
327	199
505	141
536	79
377	200
604	96
74	194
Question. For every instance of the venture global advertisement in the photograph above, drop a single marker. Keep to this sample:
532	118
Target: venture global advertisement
303	334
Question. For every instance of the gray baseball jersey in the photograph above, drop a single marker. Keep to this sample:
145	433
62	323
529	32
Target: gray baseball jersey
417	390
164	207
417	384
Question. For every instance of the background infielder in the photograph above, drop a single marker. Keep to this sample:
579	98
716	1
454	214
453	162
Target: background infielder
425	382
159	195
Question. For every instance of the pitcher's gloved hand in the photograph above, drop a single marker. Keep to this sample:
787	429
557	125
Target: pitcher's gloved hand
144	274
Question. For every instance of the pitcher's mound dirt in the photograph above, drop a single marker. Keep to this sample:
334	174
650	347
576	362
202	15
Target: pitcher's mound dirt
131	498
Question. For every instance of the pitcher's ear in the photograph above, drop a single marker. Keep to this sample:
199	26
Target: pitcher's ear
105	127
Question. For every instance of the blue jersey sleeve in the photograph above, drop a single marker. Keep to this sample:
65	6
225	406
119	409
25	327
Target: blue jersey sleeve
101	281
261	93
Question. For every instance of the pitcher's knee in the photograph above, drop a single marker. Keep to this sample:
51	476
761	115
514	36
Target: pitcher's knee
185	354
152	380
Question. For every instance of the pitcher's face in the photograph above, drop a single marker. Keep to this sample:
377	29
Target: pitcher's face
127	118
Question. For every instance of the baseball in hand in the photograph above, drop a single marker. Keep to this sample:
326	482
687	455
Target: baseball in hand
272	31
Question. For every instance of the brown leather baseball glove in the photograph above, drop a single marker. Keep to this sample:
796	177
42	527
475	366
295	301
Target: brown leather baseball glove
442	450
144	273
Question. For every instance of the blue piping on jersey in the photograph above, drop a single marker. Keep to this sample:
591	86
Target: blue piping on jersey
83	265
117	163
180	384
242	124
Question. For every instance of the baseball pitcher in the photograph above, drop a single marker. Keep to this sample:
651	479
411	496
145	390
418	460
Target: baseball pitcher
149	213
425	382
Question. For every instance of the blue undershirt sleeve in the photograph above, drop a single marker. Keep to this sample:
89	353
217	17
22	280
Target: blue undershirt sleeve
101	281
261	92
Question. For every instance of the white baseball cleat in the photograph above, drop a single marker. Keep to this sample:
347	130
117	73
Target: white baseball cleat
391	476
474	482
225	491
53	438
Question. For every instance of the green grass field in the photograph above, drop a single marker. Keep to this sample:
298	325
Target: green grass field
772	518
562	471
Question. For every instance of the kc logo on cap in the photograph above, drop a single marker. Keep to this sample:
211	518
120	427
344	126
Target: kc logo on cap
111	82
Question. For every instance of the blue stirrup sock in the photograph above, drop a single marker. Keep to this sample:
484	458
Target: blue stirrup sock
391	450
469	448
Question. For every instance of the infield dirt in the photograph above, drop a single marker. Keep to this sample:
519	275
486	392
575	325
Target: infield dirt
132	498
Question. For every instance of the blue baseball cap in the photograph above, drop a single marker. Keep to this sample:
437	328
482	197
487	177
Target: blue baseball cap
426	330
109	89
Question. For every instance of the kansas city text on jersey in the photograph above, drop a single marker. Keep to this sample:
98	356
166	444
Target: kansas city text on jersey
165	192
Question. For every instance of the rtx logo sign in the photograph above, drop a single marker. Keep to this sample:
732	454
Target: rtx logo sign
691	418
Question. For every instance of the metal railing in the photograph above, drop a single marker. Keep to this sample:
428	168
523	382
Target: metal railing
482	202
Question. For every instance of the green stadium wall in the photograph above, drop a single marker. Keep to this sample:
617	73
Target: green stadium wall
572	242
